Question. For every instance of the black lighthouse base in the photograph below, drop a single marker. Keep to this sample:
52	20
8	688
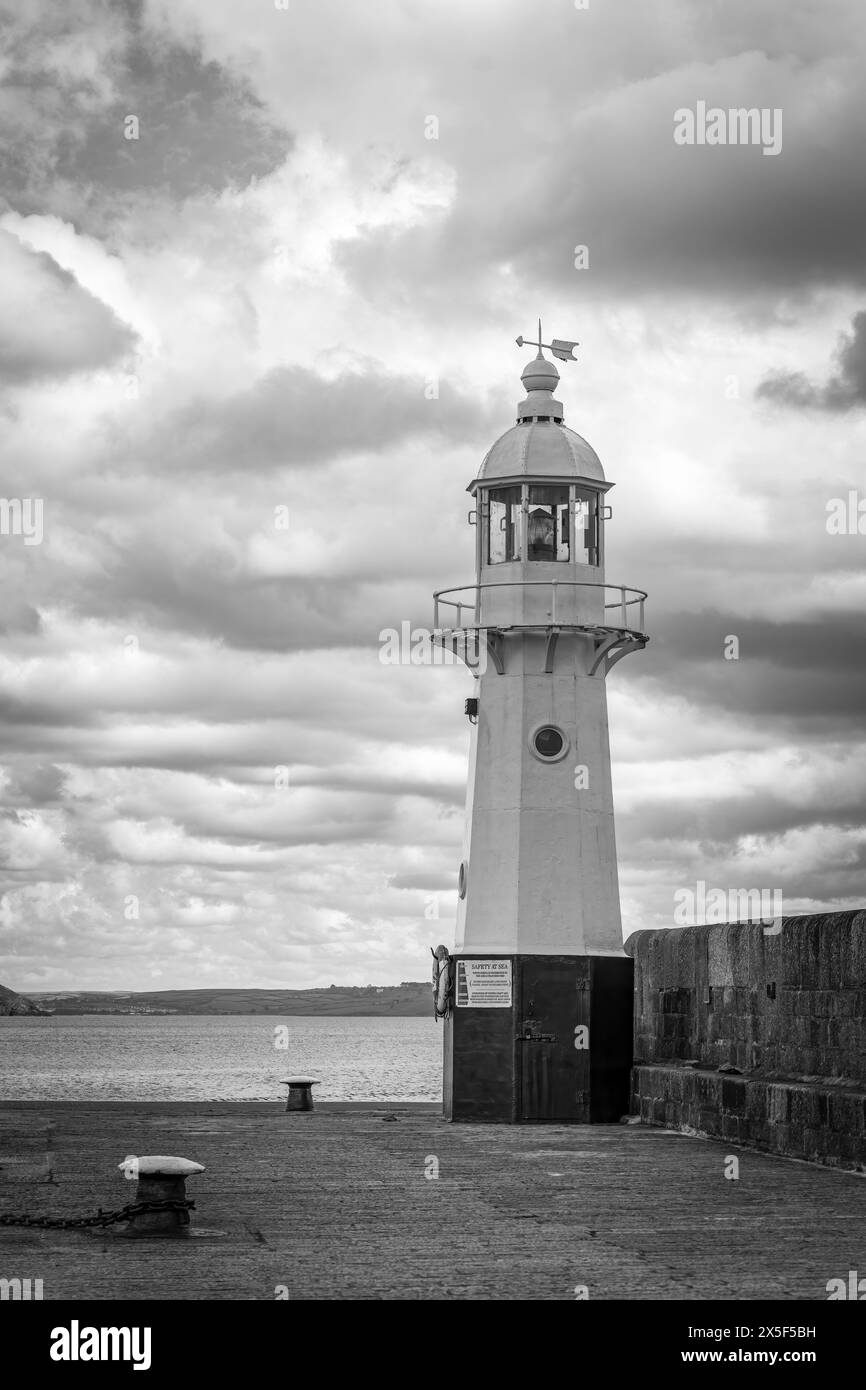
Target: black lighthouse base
538	1039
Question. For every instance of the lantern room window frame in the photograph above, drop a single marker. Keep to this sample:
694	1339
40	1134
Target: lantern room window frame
578	491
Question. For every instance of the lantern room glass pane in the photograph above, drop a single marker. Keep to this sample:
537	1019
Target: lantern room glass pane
586	527
547	535
503	525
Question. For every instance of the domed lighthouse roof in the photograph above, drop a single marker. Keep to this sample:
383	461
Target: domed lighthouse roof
546	451
540	445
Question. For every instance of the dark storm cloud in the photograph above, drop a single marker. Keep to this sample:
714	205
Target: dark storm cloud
374	783
36	784
64	110
181	576
653	216
810	673
17	615
833	641
718	825
842	391
295	417
591	161
204	597
838	881
50	326
31	717
200	128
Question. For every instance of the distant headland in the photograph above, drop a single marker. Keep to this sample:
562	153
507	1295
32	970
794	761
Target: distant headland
12	1003
408	1000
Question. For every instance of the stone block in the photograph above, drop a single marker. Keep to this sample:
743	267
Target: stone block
757	959
817	1108
846	1112
778	1105
734	1096
687	972
719	972
801	951
799	1109
738	938
780	1138
760	1133
854	968
796	1140
833	943
670	1028
756	1100
832	1144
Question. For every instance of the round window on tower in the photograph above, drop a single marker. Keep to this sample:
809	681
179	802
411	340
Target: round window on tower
548	743
462	879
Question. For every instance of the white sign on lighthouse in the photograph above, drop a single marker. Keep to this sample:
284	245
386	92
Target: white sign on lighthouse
538	883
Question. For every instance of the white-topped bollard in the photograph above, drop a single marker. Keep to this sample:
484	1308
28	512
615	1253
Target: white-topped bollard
300	1092
161	1180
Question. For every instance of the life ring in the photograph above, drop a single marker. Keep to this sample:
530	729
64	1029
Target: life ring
440	982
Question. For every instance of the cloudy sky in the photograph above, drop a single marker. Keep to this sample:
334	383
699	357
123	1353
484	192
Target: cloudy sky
218	348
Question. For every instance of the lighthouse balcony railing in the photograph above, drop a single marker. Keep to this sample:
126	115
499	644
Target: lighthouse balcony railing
622	607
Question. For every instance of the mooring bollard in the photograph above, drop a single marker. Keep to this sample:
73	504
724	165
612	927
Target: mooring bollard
160	1179
300	1096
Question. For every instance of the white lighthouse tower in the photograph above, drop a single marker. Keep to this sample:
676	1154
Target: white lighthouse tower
540	1019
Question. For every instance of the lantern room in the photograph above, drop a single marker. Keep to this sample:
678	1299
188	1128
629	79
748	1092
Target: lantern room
540	492
556	523
539	515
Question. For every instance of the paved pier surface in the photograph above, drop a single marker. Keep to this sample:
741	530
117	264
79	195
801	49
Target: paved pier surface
335	1205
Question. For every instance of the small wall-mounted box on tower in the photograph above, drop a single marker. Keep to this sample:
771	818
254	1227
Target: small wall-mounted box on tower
539	1022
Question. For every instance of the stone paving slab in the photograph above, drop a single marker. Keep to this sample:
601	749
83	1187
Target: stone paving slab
336	1205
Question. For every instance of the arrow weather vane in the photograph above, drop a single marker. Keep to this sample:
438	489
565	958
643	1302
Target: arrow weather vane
560	347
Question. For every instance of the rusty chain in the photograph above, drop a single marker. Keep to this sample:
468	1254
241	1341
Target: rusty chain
102	1218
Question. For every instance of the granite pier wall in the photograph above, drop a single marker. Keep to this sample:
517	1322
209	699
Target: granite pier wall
781	1012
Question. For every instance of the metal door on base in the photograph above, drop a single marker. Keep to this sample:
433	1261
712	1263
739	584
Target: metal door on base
552	1040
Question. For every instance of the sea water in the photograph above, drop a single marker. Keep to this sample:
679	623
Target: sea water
218	1057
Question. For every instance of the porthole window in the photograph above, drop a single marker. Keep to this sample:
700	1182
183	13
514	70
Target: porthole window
462	877
548	743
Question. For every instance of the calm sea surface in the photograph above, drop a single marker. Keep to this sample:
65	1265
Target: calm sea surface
202	1057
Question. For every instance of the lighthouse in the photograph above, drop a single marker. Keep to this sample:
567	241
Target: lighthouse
538	1010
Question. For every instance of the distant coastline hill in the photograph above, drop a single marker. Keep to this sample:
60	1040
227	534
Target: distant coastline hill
411	999
12	1003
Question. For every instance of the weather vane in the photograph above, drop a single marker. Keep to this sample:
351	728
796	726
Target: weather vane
560	347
